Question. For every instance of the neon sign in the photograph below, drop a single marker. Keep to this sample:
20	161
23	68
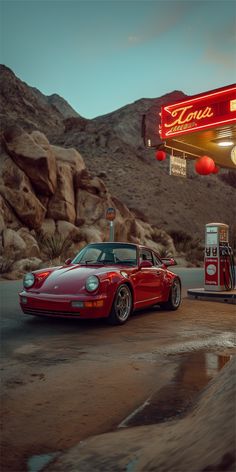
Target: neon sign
206	111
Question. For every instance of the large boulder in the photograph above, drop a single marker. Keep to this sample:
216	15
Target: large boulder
74	249
62	204
38	164
69	165
40	139
1	245
27	265
47	228
16	190
125	229
69	156
32	248
68	230
89	207
2	220
121	207
13	244
94	185
91	234
7	216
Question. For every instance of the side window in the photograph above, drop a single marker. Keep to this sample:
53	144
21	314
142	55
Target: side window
146	255
157	261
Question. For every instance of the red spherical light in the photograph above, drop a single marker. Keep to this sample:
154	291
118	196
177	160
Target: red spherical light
160	155
205	165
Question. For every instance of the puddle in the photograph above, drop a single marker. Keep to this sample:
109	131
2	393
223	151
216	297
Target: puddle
194	372
36	463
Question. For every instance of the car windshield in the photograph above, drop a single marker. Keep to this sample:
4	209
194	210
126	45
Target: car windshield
107	253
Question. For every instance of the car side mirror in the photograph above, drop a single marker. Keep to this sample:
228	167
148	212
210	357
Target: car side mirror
145	264
68	261
169	261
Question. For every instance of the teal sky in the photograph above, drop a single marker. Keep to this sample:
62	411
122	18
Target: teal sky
102	55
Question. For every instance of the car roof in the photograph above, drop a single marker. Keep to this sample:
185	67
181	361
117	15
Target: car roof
114	243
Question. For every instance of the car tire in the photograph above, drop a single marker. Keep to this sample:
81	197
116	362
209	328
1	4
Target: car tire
122	306
174	299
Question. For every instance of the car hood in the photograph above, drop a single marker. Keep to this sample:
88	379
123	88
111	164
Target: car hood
71	280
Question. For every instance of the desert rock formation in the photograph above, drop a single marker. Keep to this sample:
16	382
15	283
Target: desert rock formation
51	206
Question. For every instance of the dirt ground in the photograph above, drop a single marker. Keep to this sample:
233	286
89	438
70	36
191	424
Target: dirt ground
204	440
71	381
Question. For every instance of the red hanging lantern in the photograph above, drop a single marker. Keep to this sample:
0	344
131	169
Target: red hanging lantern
160	155
215	170
205	165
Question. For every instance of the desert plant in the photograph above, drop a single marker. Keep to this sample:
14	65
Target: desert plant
160	237
54	245
139	214
193	249
163	252
6	264
182	240
195	256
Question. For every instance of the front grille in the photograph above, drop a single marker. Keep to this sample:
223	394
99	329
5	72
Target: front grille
40	312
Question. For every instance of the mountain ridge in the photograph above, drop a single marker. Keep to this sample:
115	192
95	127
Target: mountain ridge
113	149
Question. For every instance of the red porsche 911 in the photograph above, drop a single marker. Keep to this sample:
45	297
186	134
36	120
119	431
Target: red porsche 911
105	280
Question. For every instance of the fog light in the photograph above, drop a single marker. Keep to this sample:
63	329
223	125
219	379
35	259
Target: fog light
96	304
23	300
77	304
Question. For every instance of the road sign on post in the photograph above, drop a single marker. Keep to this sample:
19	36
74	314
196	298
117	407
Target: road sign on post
110	216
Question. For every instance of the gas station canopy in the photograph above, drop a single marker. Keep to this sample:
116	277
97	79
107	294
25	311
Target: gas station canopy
205	124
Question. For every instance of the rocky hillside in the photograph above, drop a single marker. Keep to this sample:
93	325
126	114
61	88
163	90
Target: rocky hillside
28	107
113	151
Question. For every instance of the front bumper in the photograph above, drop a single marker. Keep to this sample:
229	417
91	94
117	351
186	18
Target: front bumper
60	306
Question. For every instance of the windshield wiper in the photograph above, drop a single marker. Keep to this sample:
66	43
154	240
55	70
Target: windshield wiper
89	262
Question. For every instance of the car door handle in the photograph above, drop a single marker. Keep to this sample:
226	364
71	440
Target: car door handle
158	272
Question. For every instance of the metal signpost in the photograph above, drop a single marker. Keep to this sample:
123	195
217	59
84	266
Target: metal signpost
110	216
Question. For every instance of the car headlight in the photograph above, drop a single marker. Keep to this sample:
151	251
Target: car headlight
28	280
92	283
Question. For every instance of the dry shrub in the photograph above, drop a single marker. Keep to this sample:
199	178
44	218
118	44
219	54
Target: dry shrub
160	237
164	252
193	249
139	214
54	245
195	256
182	240
5	264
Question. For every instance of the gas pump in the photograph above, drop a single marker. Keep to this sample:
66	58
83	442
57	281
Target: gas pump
219	261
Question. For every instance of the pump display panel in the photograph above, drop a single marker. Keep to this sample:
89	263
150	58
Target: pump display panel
211	235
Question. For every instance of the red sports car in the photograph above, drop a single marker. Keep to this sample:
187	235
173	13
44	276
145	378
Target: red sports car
104	280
